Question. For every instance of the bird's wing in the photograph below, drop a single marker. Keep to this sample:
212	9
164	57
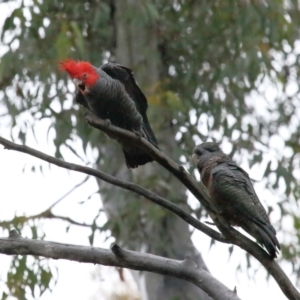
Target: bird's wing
125	76
235	186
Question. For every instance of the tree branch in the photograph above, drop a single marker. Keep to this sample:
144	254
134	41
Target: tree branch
196	188
262	256
199	191
118	182
186	269
230	234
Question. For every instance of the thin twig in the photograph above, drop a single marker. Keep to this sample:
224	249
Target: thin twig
118	182
199	191
196	188
69	192
46	214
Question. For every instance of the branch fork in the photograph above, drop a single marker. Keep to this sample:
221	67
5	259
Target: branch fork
138	261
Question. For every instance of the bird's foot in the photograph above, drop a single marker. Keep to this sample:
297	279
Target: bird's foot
182	169
107	122
89	117
138	133
93	120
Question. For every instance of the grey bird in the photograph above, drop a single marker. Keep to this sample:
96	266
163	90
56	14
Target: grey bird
232	193
111	93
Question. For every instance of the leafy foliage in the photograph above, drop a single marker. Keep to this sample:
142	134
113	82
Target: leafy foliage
228	72
35	275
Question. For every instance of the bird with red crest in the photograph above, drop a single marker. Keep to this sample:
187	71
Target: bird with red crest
111	93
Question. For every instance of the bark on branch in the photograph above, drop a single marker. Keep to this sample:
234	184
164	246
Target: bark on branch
118	182
199	191
229	234
186	269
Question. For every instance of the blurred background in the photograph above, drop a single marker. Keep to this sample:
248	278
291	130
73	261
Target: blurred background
224	71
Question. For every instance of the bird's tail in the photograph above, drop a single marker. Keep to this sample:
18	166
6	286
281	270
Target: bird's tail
133	160
266	236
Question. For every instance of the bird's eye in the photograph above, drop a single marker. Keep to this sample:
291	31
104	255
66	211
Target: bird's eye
84	76
199	152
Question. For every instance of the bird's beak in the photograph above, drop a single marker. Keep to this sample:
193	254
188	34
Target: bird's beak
82	87
77	81
195	158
